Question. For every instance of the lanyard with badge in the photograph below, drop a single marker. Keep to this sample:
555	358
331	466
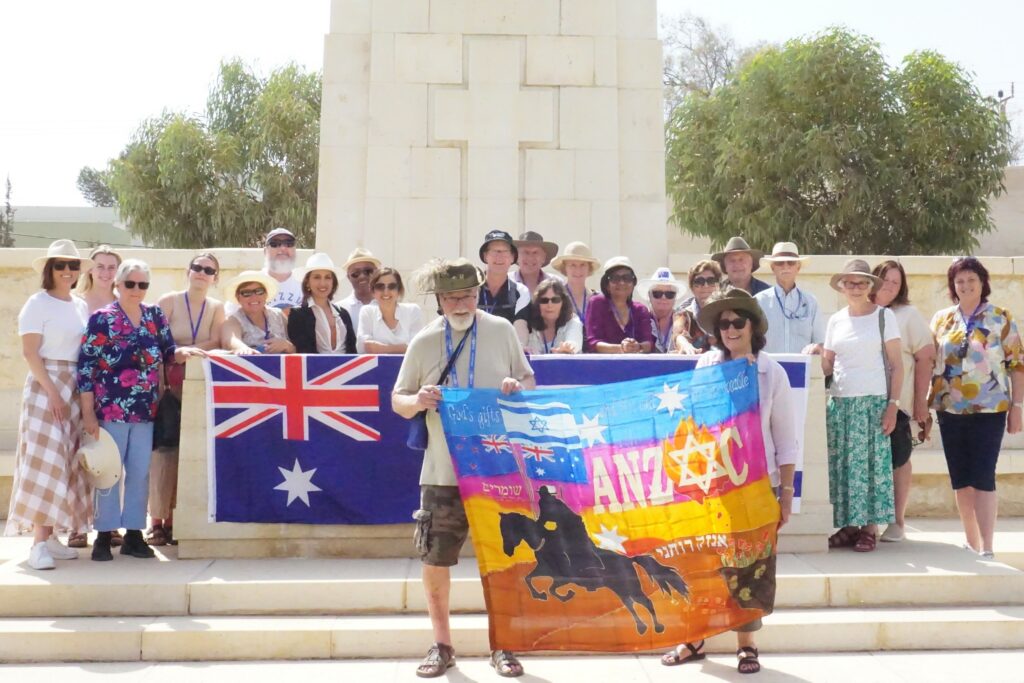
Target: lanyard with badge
471	334
795	314
580	313
969	325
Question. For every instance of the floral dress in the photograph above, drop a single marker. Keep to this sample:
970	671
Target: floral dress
120	363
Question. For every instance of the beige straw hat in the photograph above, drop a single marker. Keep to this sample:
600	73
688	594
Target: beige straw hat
62	249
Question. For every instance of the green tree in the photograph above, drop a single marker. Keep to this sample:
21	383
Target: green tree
225	178
7	219
821	142
94	186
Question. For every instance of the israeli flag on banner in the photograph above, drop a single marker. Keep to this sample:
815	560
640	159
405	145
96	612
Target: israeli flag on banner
548	424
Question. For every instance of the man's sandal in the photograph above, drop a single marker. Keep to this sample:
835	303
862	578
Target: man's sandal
506	664
157	536
440	658
675	657
865	542
748	663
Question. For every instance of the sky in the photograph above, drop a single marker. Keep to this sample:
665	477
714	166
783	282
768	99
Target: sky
78	77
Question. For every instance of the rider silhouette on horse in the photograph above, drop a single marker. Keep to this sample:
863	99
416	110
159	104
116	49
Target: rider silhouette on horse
564	531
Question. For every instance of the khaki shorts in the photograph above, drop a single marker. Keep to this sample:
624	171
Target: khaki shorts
441	525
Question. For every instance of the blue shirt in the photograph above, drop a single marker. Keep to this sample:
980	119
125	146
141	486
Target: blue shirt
794	319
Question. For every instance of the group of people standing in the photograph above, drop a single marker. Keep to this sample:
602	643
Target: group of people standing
99	357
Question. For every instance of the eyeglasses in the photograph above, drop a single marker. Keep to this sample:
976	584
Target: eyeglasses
704	281
621	279
549	299
255	291
735	323
784	263
389	286
858	284
663	294
360	272
277	244
196	268
131	284
70	265
461	299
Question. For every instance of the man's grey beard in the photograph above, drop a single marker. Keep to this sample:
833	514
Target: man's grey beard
461	324
280	265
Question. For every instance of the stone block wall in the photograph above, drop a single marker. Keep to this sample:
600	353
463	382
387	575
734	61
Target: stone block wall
444	119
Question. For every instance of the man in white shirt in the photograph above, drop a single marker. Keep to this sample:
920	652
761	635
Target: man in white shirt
278	263
359	268
795	323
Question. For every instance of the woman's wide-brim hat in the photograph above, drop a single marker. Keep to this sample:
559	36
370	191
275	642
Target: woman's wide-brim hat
358	255
738	245
618	262
858	267
100	459
784	251
534	239
65	250
734	299
575	251
453	276
662	277
269	283
321	261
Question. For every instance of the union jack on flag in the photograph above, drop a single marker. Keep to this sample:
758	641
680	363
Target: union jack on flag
496	443
291	393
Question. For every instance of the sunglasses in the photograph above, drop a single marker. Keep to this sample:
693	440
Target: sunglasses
70	265
255	291
785	263
620	279
360	272
277	244
549	299
663	294
735	323
847	284
132	284
196	268
704	281
389	286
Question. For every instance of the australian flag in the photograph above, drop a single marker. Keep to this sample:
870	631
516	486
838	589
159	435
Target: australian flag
308	439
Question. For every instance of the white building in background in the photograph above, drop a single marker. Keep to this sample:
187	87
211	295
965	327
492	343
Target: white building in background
88	226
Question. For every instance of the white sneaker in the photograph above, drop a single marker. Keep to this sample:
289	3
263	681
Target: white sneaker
893	534
39	557
59	551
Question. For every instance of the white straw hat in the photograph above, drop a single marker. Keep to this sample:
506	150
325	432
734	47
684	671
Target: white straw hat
269	283
100	459
62	249
321	261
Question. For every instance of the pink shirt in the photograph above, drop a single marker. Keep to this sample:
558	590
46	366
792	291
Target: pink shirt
602	326
778	411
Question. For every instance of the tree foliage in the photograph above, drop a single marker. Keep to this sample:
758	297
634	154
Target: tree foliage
225	178
95	187
821	142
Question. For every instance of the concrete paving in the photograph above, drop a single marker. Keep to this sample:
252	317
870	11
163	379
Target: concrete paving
992	666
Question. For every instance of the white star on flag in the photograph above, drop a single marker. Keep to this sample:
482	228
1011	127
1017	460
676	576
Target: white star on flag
297	483
670	399
694	450
592	430
611	539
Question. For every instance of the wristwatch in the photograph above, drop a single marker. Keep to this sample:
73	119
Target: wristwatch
895	402
1017	404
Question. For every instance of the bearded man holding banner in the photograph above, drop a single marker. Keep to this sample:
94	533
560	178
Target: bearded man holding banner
464	347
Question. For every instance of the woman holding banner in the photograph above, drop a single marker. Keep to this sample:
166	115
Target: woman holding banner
738	326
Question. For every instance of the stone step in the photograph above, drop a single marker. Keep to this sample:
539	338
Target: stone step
305	638
926	570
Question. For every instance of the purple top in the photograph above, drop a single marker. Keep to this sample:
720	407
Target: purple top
603	327
120	363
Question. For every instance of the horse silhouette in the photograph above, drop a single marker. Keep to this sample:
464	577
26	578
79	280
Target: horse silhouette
616	572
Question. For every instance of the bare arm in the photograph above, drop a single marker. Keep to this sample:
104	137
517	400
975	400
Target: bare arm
214	342
924	365
1013	419
231	338
828	361
379	347
894	353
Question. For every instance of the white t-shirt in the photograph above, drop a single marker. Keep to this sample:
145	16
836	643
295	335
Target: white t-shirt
571	332
355	308
289	292
859	369
61	323
373	328
914	336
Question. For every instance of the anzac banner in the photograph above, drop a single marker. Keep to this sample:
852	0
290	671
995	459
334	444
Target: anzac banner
618	517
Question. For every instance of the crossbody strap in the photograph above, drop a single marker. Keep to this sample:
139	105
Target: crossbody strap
885	356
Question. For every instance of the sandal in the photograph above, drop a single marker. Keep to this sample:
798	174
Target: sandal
171	540
440	658
157	536
116	539
865	542
674	657
78	540
506	664
748	663
844	538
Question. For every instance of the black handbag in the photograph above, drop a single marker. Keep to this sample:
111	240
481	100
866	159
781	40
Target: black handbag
417	437
167	424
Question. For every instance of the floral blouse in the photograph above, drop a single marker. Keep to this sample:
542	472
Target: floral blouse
978	382
120	363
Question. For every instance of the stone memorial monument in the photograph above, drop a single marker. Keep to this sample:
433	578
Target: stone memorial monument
443	119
